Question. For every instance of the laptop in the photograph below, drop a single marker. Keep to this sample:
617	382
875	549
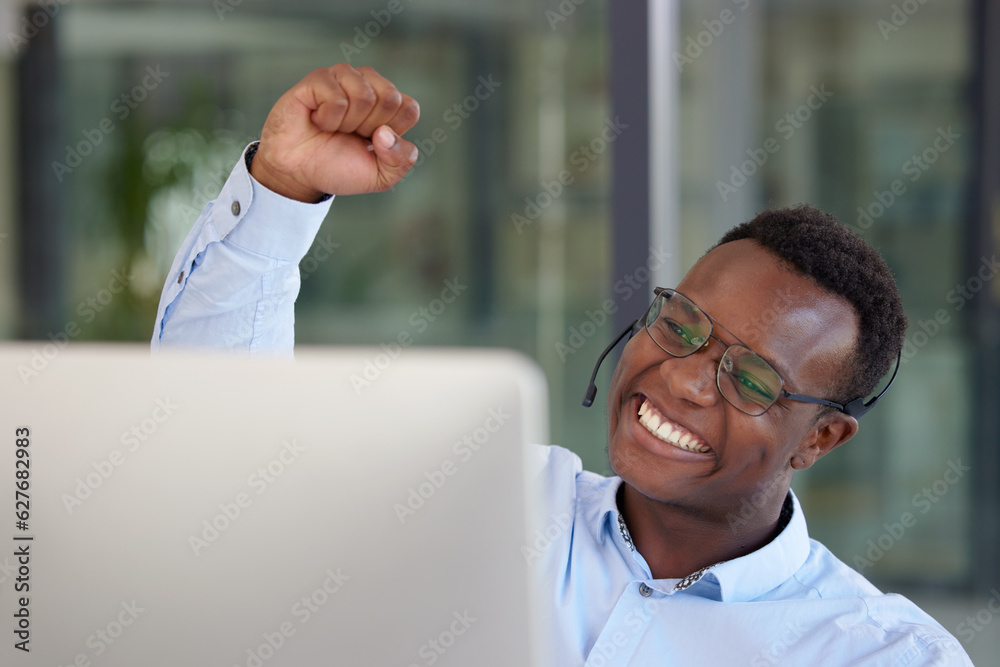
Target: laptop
352	507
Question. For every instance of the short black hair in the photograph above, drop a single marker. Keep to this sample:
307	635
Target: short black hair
818	246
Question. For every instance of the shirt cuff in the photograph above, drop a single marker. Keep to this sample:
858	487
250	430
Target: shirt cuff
263	222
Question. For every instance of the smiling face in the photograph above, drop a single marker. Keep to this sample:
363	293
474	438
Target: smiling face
710	456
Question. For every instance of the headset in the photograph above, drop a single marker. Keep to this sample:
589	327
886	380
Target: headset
630	330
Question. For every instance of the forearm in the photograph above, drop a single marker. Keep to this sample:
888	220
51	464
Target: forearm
234	281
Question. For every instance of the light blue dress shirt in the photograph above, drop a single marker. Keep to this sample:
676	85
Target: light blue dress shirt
252	241
233	286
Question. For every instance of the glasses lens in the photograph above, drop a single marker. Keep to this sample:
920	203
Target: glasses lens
747	381
676	324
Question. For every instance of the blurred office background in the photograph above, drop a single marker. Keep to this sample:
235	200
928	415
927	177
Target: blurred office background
568	147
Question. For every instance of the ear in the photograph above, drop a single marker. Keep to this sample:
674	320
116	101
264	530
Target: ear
830	431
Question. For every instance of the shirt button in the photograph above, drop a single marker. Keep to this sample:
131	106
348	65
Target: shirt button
645	591
235	208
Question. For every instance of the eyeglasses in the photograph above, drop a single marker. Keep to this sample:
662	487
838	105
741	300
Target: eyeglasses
745	379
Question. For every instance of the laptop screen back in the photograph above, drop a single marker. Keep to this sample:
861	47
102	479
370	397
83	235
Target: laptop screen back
189	510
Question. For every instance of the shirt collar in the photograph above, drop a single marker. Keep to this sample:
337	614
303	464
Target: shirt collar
608	514
748	577
737	580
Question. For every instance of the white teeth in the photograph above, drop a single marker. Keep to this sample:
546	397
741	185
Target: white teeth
664	430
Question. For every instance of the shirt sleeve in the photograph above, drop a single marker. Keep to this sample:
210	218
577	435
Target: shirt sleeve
234	281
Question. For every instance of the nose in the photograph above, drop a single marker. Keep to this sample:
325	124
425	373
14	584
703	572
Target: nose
692	378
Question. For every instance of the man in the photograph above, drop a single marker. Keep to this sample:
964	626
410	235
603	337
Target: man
754	367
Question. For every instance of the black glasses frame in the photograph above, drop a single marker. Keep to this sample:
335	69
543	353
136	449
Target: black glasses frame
663	292
855	408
